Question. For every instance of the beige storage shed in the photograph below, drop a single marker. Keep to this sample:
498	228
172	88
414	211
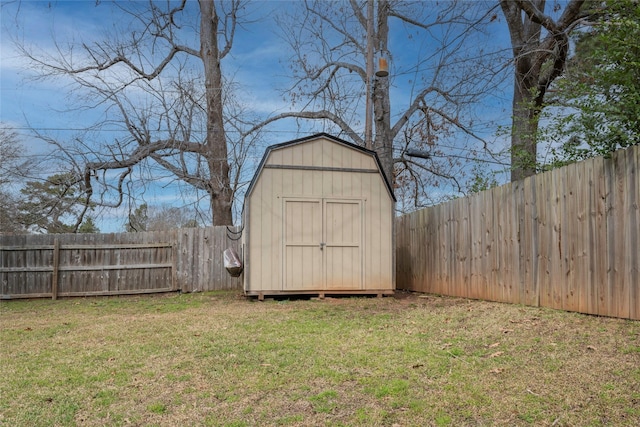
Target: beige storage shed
318	219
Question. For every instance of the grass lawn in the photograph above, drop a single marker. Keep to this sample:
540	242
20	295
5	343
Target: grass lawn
218	359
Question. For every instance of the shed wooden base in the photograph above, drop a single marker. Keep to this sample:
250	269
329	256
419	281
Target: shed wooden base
320	294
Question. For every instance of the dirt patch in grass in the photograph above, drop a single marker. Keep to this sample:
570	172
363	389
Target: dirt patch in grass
220	359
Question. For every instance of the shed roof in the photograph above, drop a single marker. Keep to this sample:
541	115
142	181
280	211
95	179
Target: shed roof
314	137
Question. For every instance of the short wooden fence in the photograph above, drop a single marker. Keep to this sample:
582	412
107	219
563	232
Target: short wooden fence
52	266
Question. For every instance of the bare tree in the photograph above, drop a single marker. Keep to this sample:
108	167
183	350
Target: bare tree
164	88
330	78
12	159
13	164
540	47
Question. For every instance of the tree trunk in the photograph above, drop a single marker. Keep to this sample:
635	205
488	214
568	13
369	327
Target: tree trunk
216	142
524	147
383	143
538	62
525	40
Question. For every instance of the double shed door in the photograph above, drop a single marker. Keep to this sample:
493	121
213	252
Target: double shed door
323	244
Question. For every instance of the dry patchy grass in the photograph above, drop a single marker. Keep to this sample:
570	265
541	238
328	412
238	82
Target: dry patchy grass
218	359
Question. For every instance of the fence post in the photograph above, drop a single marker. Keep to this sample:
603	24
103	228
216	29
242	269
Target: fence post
56	262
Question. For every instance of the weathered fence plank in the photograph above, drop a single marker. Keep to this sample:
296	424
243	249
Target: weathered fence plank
566	239
56	269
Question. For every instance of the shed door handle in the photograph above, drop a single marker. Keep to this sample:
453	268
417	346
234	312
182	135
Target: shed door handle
322	245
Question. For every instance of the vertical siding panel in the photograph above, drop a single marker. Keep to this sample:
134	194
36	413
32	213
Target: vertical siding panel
316	153
253	236
272	209
372	230
297	154
262	228
307	180
316	184
265	200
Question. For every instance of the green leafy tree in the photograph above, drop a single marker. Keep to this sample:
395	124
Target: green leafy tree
55	205
601	89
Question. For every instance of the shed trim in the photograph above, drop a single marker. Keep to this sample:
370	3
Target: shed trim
320	168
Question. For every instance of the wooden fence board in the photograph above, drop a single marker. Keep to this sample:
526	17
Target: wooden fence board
633	250
557	254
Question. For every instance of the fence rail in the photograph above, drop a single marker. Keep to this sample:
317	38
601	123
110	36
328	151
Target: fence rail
189	260
566	239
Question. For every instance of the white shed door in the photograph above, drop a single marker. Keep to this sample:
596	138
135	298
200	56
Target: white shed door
322	244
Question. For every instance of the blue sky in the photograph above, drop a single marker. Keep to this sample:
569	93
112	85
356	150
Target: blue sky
257	64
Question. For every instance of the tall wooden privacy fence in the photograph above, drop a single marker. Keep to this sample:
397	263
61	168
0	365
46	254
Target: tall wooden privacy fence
111	264
566	239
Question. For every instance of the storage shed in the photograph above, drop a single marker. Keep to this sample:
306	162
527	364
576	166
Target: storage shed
318	219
